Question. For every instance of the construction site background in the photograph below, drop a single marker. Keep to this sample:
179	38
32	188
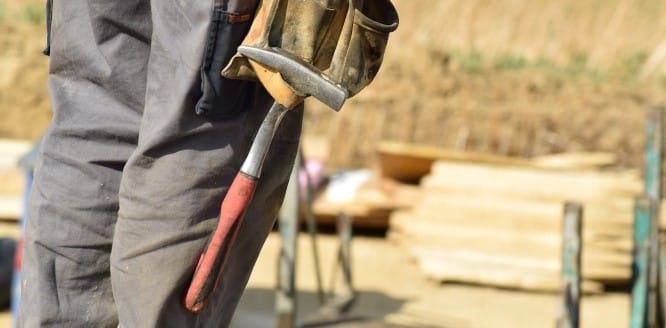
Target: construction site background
514	78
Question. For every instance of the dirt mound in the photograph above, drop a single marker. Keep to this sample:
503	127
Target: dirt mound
514	113
24	104
458	74
494	92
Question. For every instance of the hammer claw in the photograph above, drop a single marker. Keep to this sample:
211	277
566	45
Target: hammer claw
301	76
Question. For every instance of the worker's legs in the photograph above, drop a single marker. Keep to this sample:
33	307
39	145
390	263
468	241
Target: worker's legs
97	83
173	183
171	186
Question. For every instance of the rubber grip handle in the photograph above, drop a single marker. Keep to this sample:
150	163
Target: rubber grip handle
214	257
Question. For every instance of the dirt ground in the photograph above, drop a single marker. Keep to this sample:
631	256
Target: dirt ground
393	293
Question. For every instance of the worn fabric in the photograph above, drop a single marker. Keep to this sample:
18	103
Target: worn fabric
130	177
344	39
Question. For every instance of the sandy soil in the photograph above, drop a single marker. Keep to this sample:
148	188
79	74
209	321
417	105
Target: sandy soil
393	293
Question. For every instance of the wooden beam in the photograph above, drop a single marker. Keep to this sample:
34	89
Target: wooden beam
531	184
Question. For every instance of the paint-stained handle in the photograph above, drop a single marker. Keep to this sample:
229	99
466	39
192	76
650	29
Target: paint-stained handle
215	255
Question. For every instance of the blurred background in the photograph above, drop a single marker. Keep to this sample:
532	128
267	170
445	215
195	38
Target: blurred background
453	166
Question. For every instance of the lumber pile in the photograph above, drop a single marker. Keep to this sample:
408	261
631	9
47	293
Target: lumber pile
500	224
408	162
373	201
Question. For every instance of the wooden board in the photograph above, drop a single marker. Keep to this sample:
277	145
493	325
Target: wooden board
576	161
514	212
409	162
543	245
12	150
501	225
499	276
460	269
531	183
11	207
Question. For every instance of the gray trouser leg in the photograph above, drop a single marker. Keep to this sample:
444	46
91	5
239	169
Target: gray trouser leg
174	181
129	184
75	193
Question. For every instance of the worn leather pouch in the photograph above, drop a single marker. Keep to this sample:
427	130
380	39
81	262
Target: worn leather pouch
344	39
360	49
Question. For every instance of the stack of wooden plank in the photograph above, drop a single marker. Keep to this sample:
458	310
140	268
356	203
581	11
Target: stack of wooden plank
500	224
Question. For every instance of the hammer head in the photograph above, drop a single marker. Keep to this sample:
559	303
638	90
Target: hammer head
301	76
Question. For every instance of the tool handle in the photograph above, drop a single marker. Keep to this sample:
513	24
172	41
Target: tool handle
214	257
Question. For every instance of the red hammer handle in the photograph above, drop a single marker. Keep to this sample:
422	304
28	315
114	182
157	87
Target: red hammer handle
215	255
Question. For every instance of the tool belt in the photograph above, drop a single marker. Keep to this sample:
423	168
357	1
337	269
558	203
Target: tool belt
343	39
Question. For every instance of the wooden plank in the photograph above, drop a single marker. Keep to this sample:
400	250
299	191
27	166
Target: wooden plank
12	150
492	208
370	220
448	234
13	181
575	161
530	183
592	261
511	272
409	162
521	263
500	224
514	212
11	207
592	255
612	272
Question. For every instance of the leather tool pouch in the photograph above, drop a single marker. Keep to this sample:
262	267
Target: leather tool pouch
222	97
360	48
344	39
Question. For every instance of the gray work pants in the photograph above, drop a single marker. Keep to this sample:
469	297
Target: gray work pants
130	178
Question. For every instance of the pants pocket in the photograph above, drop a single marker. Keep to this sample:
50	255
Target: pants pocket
221	97
49	17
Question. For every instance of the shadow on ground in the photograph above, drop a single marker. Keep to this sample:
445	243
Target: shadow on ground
257	309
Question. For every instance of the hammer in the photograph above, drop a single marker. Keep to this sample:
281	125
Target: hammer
289	80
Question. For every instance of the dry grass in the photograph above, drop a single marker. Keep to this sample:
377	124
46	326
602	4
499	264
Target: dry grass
604	32
24	104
